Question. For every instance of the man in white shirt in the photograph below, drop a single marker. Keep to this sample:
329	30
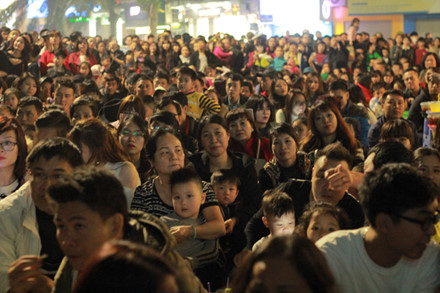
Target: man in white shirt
394	253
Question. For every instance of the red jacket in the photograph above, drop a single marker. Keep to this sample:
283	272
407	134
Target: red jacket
252	146
75	61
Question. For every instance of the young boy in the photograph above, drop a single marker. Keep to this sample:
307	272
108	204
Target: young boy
58	69
198	103
187	197
279	215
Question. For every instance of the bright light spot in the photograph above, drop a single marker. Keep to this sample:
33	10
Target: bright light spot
135	10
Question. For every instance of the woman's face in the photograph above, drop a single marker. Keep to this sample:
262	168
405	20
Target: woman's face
241	130
169	155
262	115
388	78
300	131
185	51
214	139
92	43
166	46
101	48
326	122
132	139
29	87
284	149
82	47
8	158
313	84
430	62
82	112
19	44
153	47
55	40
281	88
430	167
86	153
84	69
299	104
12	101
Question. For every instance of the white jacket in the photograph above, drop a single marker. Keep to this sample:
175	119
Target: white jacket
18	230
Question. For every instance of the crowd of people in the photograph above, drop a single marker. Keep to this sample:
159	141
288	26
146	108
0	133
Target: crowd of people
181	164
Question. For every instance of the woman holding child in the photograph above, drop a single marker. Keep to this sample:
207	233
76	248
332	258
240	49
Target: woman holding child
166	154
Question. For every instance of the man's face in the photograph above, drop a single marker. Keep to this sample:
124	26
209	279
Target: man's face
320	185
407	238
64	96
393	106
27	115
233	88
397	70
341	96
144	87
82	231
42	173
111	86
411	80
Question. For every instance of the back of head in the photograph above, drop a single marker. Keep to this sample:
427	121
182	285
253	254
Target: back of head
55	119
394	189
276	203
339	84
225	175
97	188
179	97
31	101
125	267
390	152
59	147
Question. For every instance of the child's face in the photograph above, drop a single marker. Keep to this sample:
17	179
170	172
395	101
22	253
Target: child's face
12	101
226	192
279	52
58	61
185	83
283	225
321	225
29	87
187	198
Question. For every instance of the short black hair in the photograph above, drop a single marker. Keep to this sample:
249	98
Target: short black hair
165	102
189	72
236	77
276	203
31	101
179	97
185	175
394	189
97	188
225	175
393	92
391	152
337	152
60	53
339	84
56	119
55	147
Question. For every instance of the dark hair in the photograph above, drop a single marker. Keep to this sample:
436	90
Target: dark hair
425	152
242	113
12	123
64	82
256	102
321	89
179	97
314	141
276	203
357	96
300	253
55	147
165	102
323	208
390	152
289	104
394	189
225	175
97	188
335	151
236	77
396	128
437	59
56	119
84	102
167	118
379	85
31	101
185	175
60	53
26	49
189	72
339	84
132	102
99	140
393	92
283	128
131	267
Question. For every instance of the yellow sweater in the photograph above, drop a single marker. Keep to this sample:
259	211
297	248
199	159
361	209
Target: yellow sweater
199	104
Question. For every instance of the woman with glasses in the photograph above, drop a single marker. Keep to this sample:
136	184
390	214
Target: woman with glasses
100	148
133	136
13	152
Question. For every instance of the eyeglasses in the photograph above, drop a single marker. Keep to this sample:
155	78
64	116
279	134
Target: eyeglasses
135	134
426	224
8	145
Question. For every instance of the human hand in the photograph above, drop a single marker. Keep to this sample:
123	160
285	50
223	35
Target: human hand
241	257
230	224
181	233
339	178
25	275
